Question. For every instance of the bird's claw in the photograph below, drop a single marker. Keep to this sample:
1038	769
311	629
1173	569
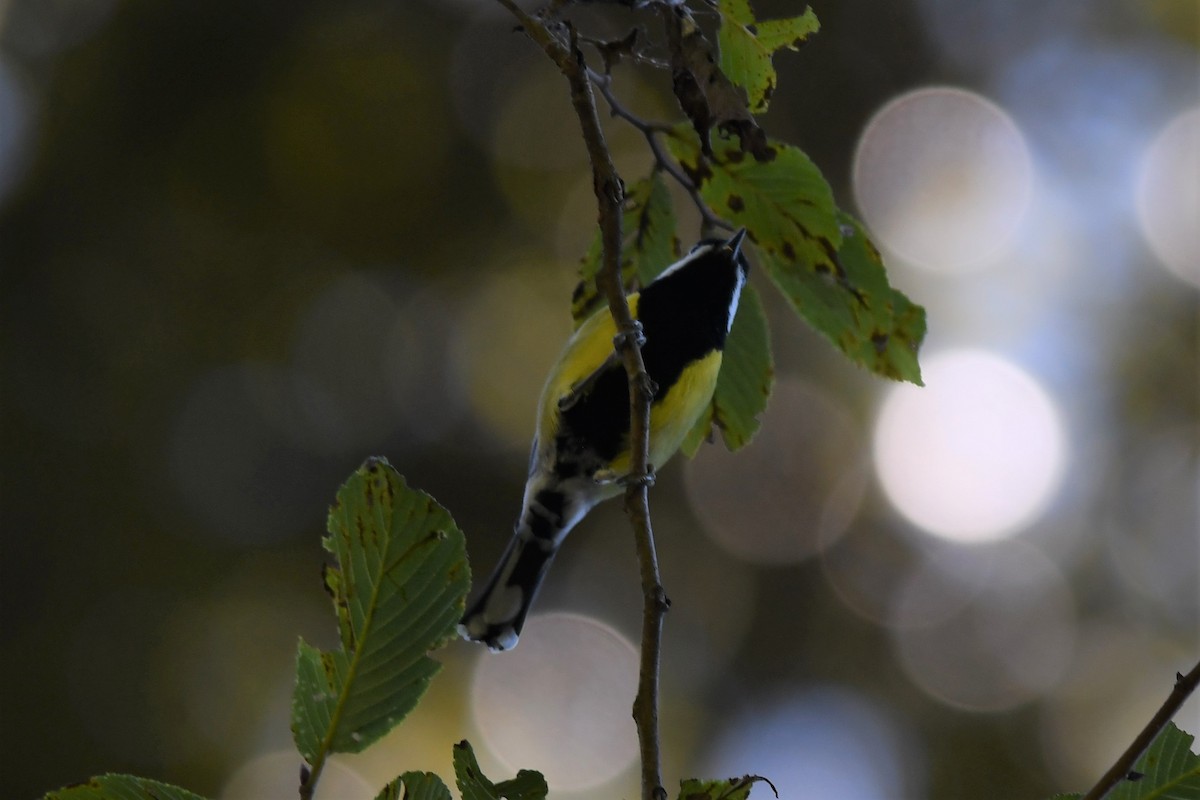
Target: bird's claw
635	335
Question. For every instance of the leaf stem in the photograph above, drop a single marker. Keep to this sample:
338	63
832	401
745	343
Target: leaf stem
1184	686
610	196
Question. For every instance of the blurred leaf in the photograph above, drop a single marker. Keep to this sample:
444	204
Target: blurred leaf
121	787
745	381
415	786
747	44
731	789
648	245
819	257
528	785
399	589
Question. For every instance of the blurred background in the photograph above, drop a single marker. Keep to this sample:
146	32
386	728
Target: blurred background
245	245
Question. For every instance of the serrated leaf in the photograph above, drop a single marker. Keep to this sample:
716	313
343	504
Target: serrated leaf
399	589
415	786
744	383
747	45
1169	770
474	785
649	245
819	257
731	789
121	787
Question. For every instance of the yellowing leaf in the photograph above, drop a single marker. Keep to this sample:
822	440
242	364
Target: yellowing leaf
747	46
819	257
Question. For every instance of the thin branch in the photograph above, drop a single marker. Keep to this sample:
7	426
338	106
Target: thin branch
1184	686
610	197
662	159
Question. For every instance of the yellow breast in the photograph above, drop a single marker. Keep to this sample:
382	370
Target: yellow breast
671	415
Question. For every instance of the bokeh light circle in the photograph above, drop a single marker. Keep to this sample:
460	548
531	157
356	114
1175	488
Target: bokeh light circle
1008	637
338	352
560	700
867	565
16	123
976	454
239	478
943	177
273	776
1114	684
515	310
794	491
826	742
1168	195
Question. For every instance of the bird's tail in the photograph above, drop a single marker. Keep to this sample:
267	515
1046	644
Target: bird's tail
496	617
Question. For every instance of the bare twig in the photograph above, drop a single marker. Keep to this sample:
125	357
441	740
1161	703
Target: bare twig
1184	686
610	197
662	160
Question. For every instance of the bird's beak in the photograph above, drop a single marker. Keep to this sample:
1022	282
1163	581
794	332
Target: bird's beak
734	245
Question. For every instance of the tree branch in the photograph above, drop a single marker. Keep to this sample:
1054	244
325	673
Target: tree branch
610	197
662	159
1184	686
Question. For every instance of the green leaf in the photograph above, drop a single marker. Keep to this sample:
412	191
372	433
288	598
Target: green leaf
648	245
1169	770
473	785
415	786
731	789
399	588
819	257
121	787
747	44
744	384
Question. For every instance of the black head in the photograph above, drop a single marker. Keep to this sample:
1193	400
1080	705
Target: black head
733	245
700	291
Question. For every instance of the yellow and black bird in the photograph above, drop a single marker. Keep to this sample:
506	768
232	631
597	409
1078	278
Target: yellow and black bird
581	452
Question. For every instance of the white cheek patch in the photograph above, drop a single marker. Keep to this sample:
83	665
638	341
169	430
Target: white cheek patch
733	301
686	259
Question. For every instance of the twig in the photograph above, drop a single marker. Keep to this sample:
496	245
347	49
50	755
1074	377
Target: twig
662	159
610	196
1184	686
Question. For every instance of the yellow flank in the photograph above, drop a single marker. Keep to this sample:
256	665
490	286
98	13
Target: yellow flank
671	416
588	348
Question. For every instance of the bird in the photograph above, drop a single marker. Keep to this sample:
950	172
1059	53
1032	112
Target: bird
581	453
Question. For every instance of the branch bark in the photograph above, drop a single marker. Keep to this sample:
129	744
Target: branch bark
1184	686
650	130
610	196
